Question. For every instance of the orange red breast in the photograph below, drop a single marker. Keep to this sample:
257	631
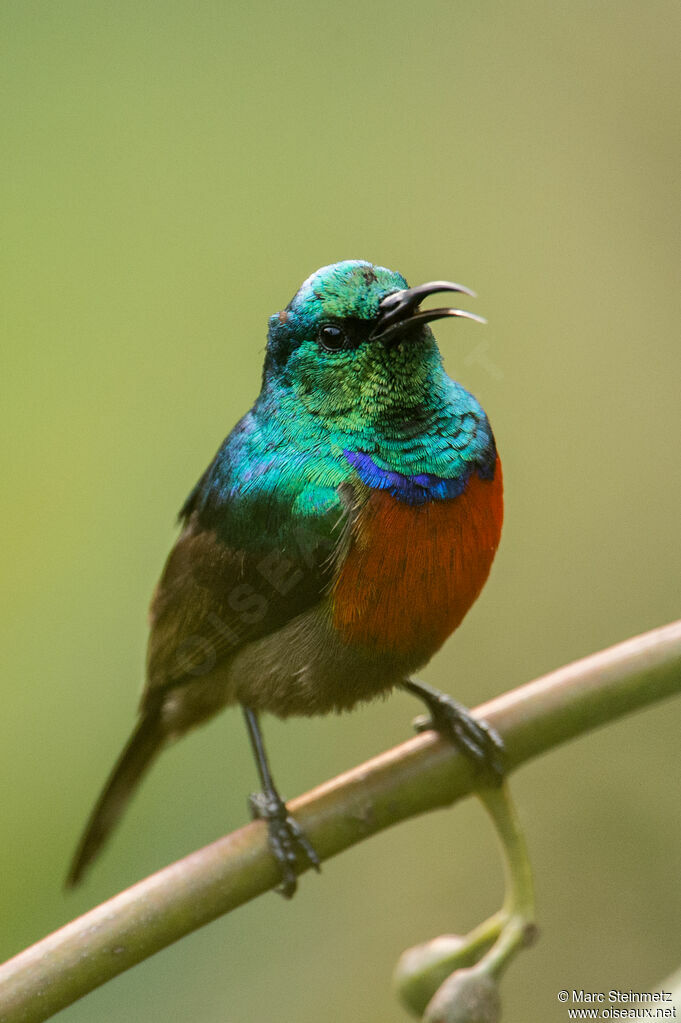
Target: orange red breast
413	571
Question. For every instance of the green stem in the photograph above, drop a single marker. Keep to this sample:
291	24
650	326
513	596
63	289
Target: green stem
519	929
519	886
482	937
421	774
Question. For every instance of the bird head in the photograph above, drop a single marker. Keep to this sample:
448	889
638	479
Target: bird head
354	343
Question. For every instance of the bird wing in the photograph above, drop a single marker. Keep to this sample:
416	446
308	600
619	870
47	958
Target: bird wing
249	559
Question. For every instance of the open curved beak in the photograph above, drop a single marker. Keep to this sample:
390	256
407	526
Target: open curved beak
399	311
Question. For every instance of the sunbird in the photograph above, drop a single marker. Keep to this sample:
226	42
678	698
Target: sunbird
339	536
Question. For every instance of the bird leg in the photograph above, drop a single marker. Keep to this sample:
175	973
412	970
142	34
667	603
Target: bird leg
475	738
286	838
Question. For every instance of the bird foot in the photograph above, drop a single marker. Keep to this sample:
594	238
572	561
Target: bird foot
286	839
475	738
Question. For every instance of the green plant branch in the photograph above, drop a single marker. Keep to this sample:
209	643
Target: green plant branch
419	775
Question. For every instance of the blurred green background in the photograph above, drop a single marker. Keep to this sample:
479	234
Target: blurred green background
170	174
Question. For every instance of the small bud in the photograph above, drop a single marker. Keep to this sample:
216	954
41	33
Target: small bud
420	970
467	996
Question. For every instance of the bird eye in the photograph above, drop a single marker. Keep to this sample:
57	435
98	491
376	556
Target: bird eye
331	337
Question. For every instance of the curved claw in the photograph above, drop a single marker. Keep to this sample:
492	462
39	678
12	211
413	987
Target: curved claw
474	737
286	838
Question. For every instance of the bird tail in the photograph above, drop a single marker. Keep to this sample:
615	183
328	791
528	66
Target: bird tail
141	749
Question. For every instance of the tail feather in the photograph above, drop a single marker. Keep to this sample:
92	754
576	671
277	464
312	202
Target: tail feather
143	745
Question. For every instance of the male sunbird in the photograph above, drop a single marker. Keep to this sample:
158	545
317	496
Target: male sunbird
339	536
